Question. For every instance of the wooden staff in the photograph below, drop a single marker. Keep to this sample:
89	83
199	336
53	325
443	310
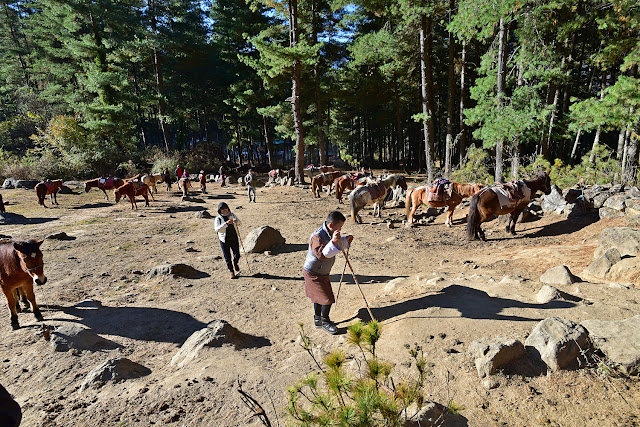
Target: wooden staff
342	277
356	280
242	244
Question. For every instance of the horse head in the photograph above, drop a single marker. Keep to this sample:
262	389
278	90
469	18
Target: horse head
118	194
545	181
31	260
402	182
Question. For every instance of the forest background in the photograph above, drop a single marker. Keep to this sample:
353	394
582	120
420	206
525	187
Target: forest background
470	89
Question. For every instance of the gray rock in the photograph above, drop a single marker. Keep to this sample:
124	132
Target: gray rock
560	275
116	369
601	266
89	303
626	270
75	336
9	183
263	239
182	270
512	279
58	236
570	194
599	199
490	383
625	239
29	184
492	353
192	199
605	212
534	206
553	201
632	206
429	415
557	342
618	340
204	215
617	188
215	334
616	202
548	293
65	190
634	192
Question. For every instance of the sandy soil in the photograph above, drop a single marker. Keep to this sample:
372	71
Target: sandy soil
148	319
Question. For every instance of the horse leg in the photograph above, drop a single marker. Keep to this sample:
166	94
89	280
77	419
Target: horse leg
31	296
133	202
106	196
150	192
513	220
146	199
9	294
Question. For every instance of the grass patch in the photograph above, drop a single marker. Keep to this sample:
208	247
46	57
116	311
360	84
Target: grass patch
89	221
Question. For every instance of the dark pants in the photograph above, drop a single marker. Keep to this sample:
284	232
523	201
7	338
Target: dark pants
227	247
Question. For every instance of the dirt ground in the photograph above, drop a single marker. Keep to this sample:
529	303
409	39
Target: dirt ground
148	319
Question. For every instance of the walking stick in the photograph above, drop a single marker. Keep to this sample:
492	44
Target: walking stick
235	224
356	280
342	277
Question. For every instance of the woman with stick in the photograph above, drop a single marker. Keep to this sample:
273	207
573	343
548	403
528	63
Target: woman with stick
225	226
325	243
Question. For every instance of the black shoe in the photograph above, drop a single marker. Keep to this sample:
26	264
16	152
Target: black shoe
317	321
237	267
329	326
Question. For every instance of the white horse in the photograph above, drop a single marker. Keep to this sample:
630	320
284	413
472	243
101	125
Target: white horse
152	180
373	194
184	184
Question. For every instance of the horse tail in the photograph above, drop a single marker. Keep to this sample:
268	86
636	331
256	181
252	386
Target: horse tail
474	216
407	202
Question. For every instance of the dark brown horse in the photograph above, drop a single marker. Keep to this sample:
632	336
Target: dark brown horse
321	180
48	187
342	184
132	189
418	196
489	202
21	266
103	184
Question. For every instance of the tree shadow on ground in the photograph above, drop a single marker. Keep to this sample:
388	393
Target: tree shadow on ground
14	218
139	323
567	226
176	209
471	303
291	247
222	196
94	205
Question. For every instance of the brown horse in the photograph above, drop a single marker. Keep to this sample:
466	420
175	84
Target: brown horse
48	187
373	194
487	203
418	196
133	189
21	266
342	184
103	184
321	180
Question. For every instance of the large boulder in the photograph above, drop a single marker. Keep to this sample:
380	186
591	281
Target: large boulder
554	201
618	340
181	270
632	206
116	369
601	265
605	212
558	342
625	239
599	199
9	183
29	184
215	334
75	336
616	202
560	275
626	270
492	353
548	293
263	239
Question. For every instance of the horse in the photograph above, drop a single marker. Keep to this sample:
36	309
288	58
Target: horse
418	196
10	411
183	185
152	179
48	187
21	266
133	189
313	171
321	180
487	203
373	194
346	182
103	184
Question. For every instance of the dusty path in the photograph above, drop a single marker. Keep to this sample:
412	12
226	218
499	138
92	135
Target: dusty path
148	319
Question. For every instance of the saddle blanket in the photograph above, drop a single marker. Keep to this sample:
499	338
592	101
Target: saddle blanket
50	187
504	197
439	191
107	182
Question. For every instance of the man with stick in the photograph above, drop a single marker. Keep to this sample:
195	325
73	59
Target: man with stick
325	243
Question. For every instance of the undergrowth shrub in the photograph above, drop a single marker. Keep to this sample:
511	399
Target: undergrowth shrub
475	167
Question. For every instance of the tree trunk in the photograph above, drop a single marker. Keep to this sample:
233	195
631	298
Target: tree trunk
463	96
427	89
295	93
452	100
501	55
157	65
316	78
596	140
269	142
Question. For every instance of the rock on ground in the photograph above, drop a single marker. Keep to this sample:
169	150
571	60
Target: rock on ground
560	275
204	214
182	270
215	334
548	293
492	353
116	369
627	270
619	341
625	239
67	337
430	414
263	239
557	342
58	236
601	265
553	202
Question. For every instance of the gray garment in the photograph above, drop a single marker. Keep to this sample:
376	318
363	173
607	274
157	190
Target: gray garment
313	264
250	190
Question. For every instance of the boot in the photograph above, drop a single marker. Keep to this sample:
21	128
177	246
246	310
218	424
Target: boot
317	321
328	326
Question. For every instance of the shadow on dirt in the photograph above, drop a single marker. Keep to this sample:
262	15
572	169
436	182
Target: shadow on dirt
94	205
175	209
291	247
14	218
567	226
139	323
362	279
471	303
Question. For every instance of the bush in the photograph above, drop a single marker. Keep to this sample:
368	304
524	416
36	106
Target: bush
370	398
475	167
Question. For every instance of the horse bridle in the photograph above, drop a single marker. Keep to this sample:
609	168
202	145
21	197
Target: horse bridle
24	265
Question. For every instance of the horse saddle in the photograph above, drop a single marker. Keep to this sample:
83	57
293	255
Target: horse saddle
377	190
505	196
50	186
439	191
515	190
107	182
